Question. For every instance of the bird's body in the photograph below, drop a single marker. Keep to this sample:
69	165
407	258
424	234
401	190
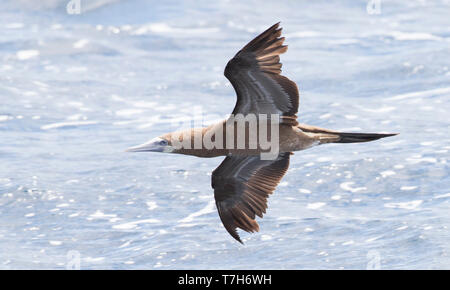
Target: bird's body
291	138
258	137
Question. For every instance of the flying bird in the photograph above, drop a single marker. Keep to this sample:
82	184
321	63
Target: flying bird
244	180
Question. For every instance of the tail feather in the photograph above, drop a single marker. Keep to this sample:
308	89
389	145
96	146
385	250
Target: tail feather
329	136
360	137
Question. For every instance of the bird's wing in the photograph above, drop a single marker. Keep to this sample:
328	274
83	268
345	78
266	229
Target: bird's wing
255	75
242	185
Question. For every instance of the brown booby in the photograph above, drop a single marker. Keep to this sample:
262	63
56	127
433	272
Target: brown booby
244	179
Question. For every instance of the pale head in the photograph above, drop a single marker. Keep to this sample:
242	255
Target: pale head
158	144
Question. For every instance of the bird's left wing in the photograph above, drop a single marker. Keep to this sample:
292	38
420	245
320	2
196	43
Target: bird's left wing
255	73
242	185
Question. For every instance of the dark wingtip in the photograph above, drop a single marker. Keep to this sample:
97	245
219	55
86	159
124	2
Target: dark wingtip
274	25
235	235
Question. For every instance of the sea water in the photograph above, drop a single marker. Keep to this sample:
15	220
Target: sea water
79	86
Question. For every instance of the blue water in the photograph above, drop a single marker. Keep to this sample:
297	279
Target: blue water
76	90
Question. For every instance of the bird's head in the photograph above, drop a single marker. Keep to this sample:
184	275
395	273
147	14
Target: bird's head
158	144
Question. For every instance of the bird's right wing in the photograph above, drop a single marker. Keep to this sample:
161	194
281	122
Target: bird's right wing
242	185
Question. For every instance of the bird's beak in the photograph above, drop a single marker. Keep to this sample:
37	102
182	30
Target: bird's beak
153	145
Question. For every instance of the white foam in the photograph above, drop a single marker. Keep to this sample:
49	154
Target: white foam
101	215
210	207
67	124
347	186
126	244
266	238
55	243
325	116
285	218
406	188
401	228
76	117
443	195
351	117
27	54
4	118
132	225
93	260
419	160
387	173
315	205
40	84
404	205
151	205
421	94
80	43
164	28
303	190
372	239
324	159
399	35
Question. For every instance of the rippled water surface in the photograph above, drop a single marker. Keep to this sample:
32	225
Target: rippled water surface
76	90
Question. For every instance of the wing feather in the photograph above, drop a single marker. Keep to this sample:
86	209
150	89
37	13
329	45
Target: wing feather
255	73
242	185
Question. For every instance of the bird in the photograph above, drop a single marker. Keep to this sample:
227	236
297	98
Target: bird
244	180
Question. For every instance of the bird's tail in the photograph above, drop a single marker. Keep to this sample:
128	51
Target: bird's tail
360	137
329	136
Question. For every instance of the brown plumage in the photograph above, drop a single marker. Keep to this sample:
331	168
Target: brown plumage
242	185
254	73
244	180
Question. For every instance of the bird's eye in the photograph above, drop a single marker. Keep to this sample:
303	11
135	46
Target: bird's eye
163	142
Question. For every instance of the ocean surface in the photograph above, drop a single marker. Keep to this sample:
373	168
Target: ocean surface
77	89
